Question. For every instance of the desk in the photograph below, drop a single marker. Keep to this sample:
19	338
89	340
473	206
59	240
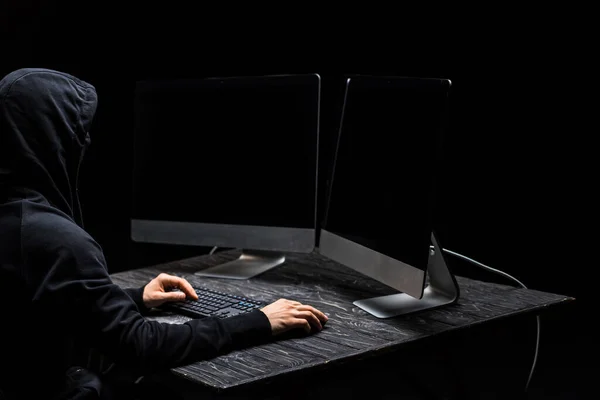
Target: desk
350	335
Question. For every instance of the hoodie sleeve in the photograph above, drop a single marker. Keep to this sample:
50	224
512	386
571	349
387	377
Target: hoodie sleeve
67	276
137	295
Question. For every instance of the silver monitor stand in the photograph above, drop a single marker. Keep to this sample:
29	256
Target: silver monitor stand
442	290
248	265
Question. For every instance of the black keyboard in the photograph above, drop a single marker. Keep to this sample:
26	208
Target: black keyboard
213	303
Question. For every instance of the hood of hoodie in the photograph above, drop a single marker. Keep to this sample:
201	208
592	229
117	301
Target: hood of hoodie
45	117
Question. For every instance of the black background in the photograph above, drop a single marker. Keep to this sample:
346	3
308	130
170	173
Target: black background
518	169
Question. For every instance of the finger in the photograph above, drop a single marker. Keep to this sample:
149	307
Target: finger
187	288
313	310
301	323
170	296
311	318
171	281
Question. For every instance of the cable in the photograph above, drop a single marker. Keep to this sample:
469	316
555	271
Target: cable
212	251
504	274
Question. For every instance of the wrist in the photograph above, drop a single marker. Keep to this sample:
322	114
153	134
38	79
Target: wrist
140	298
145	299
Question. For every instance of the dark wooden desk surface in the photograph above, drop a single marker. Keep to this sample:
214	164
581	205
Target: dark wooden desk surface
350	333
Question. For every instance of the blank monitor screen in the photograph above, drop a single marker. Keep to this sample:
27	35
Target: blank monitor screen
382	189
240	151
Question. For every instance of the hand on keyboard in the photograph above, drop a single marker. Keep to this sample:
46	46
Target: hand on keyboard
284	315
160	290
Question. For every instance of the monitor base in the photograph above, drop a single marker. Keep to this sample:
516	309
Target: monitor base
251	263
442	290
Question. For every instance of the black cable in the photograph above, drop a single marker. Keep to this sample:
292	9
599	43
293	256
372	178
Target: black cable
504	274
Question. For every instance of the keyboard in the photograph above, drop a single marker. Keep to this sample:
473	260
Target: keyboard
211	303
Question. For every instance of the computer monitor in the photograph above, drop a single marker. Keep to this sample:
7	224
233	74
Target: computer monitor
228	162
379	212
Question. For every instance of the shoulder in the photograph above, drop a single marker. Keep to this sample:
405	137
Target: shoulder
49	230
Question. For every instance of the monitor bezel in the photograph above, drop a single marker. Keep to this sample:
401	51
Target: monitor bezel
252	237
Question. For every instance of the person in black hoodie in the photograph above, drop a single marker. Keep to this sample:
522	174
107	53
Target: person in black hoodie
55	290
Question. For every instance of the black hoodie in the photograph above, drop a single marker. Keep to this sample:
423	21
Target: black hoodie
54	287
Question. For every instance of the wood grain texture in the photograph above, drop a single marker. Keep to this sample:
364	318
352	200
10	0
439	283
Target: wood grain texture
350	333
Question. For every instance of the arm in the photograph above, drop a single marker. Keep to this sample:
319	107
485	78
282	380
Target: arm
137	295
68	277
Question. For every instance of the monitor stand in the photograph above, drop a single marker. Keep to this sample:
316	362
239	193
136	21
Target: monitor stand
248	265
442	290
